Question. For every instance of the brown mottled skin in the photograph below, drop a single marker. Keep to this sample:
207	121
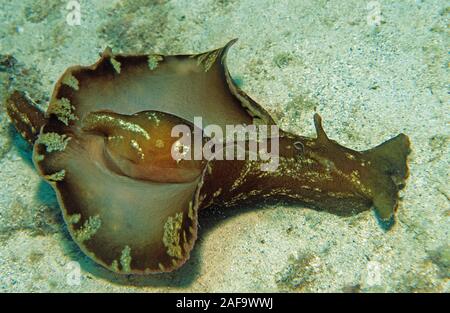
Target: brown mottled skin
104	144
316	171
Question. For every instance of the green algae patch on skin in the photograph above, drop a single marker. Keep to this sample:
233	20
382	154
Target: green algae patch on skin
125	259
62	109
89	228
58	176
71	81
73	219
172	235
116	65
153	61
105	143
53	141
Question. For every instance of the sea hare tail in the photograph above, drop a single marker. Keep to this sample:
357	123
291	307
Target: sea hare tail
26	117
390	158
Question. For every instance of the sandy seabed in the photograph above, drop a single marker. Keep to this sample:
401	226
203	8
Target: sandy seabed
371	69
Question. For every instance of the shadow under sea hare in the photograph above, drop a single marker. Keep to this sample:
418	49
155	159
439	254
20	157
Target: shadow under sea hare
104	145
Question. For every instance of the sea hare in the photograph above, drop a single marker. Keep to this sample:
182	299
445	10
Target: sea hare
105	145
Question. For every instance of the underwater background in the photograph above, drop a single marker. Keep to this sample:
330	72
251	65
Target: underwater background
372	69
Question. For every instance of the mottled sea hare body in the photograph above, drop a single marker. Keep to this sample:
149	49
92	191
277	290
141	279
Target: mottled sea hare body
105	143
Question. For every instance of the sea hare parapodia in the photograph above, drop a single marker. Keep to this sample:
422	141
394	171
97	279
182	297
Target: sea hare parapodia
104	142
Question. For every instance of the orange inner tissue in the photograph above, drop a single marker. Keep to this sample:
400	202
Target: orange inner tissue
140	145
